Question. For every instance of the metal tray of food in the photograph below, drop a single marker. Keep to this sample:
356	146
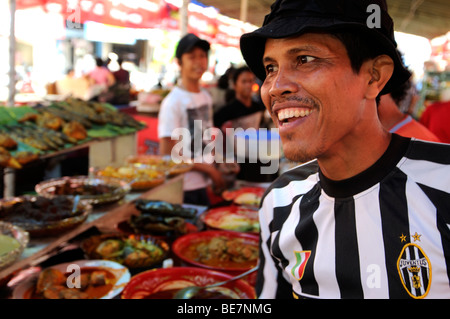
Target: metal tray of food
93	190
41	216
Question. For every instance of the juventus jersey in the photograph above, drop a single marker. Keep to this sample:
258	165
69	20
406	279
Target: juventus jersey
381	234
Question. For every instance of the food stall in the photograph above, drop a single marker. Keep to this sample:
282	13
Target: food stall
124	224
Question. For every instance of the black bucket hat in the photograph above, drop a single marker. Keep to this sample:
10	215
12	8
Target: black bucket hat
294	17
188	42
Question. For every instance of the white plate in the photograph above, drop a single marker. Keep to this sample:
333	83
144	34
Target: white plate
123	276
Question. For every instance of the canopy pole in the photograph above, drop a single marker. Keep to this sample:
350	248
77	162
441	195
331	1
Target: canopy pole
244	10
12	54
9	173
184	17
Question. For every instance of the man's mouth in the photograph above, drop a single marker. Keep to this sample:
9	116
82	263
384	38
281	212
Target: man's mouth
291	114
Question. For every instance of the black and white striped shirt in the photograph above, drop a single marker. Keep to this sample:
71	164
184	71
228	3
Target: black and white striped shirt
384	233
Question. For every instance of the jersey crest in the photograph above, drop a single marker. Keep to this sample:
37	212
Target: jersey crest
302	258
414	269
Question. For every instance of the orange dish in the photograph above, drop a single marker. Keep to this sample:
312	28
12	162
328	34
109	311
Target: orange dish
231	252
141	177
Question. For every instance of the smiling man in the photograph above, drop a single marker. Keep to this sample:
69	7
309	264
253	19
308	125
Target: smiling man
367	215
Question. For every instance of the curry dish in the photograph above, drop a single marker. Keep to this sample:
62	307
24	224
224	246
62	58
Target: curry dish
224	252
52	284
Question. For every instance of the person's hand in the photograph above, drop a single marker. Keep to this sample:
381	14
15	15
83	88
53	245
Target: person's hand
219	183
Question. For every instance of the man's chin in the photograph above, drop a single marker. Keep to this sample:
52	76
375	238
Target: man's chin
296	155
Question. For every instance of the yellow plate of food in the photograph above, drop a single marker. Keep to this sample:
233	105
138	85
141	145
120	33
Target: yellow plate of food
161	163
139	177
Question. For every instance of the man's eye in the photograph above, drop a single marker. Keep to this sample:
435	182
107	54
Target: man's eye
305	59
270	68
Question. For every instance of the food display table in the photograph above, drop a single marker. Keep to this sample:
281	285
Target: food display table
103	219
102	152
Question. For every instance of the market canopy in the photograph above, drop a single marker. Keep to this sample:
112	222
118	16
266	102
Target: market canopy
207	22
426	18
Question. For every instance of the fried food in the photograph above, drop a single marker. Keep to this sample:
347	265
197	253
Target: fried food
7	142
75	130
25	157
6	160
49	121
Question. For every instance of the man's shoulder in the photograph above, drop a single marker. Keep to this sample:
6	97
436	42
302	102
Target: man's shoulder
296	174
429	151
174	95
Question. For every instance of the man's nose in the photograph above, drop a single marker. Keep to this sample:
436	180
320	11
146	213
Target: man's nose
283	83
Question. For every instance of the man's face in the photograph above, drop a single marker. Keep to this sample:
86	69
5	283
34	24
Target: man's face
312	94
194	63
244	84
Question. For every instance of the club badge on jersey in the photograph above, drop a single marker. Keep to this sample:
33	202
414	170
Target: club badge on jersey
414	269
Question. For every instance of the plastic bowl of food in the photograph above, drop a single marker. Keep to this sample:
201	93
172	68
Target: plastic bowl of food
13	241
163	283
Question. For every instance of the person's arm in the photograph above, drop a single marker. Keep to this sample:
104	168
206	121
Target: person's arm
165	148
216	176
165	145
111	79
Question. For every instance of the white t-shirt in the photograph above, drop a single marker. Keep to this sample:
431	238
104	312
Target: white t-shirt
191	111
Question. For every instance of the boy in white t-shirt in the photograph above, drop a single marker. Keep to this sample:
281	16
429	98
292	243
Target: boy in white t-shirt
189	106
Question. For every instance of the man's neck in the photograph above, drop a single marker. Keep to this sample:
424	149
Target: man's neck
358	150
190	85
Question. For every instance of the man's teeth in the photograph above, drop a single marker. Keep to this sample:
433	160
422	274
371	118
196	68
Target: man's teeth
285	114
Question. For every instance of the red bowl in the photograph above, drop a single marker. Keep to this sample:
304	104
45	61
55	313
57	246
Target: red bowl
164	279
183	246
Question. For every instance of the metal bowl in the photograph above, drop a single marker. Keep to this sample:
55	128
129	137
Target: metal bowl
22	238
81	185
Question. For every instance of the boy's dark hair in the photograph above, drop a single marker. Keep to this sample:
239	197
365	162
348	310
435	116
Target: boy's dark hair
399	93
239	71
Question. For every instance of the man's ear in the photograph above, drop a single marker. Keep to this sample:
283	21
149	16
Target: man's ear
379	70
